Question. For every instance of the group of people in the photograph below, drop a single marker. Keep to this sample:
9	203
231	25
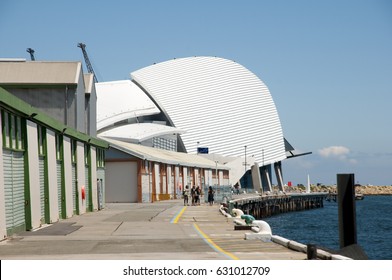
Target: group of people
194	193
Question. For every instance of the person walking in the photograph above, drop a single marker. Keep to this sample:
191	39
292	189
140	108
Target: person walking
186	196
210	195
193	195
197	195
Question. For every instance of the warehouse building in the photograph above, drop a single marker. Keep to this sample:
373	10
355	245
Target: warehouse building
51	163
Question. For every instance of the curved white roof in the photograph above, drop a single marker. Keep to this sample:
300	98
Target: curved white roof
138	132
121	100
220	103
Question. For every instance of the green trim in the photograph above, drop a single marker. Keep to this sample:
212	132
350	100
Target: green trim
28	215
99	143
17	105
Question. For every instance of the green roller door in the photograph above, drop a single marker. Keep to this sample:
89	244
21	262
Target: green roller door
74	190
14	191
42	187
8	188
87	188
59	187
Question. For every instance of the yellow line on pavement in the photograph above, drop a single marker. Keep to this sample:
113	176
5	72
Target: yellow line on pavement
213	245
178	216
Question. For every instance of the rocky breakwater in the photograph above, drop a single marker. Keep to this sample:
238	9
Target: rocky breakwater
374	190
365	190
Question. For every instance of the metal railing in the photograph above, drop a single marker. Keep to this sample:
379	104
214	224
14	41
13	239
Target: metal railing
221	193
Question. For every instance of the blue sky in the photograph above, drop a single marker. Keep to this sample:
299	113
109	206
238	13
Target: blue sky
328	64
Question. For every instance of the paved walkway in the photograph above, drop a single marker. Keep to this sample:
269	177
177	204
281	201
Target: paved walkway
161	230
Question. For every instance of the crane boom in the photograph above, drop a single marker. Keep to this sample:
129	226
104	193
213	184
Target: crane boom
87	61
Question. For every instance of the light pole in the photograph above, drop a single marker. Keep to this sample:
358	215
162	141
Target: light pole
245	158
216	175
245	180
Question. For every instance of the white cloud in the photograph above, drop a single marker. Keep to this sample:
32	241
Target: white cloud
337	152
334	151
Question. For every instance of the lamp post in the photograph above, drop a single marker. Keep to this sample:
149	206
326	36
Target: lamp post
245	180
245	158
216	176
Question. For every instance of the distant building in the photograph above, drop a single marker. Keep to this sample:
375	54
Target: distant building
51	163
180	104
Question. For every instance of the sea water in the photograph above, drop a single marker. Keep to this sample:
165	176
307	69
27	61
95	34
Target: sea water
321	226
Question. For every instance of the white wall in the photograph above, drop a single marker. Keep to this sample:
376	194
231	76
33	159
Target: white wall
121	182
169	180
93	166
80	165
67	161
237	168
184	177
35	202
157	180
178	181
52	176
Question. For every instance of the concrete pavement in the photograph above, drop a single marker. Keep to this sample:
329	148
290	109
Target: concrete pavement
160	230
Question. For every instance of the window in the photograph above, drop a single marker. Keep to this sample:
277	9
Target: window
41	140
73	150
11	126
13	131
59	145
6	129
19	139
100	157
165	144
86	154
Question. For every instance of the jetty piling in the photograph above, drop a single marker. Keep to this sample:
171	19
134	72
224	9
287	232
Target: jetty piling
269	205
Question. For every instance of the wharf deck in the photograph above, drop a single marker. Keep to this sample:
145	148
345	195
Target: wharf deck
161	230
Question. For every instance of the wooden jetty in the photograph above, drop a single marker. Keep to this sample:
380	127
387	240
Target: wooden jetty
261	206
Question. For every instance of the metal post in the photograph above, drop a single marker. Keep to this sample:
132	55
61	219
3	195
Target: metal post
311	251
346	210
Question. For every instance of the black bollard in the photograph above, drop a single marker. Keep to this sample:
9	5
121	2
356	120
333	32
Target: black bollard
311	251
346	209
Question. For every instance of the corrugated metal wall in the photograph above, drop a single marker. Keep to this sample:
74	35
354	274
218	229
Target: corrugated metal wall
87	187
74	190
42	186
14	191
59	186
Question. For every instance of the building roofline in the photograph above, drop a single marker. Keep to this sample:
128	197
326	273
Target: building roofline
19	106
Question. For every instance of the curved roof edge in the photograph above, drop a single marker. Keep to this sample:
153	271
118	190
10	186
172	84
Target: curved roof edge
133	103
220	103
139	132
